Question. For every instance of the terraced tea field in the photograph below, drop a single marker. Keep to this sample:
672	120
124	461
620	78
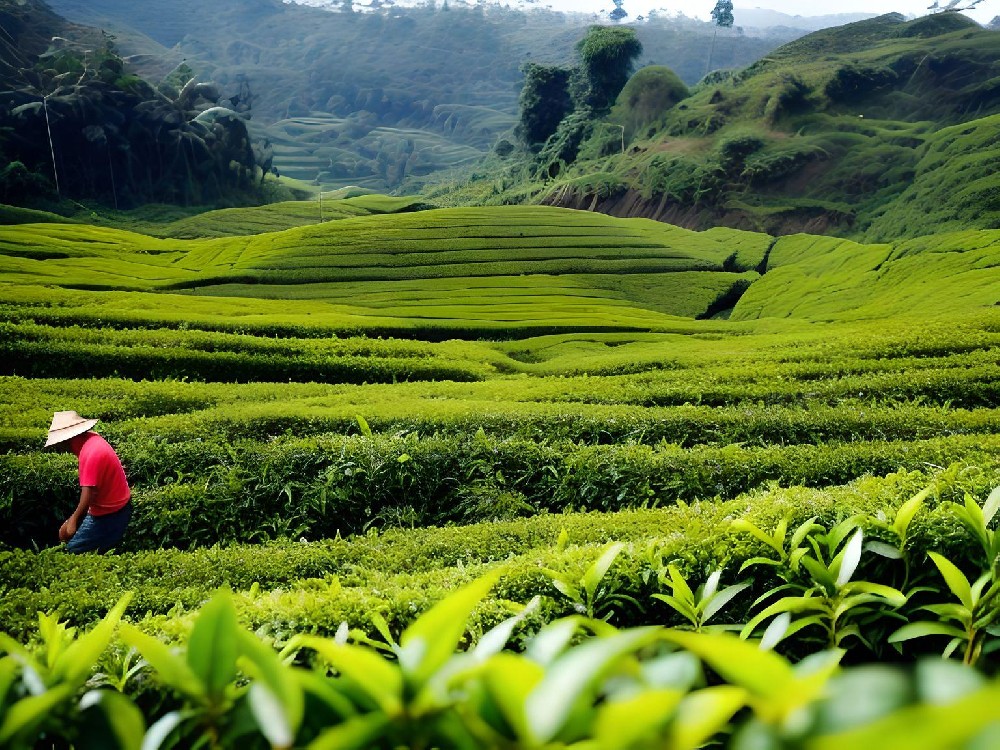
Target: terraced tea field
345	420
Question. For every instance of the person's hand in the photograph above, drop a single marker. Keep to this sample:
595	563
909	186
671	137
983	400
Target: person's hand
67	530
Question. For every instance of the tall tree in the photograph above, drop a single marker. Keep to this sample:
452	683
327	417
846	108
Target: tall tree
544	102
722	16
607	55
619	12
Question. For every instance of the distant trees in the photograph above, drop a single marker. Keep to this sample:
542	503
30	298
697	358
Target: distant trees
619	12
956	6
558	106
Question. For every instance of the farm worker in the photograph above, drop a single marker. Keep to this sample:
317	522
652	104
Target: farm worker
100	518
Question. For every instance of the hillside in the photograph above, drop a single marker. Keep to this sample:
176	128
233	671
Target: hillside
875	130
387	100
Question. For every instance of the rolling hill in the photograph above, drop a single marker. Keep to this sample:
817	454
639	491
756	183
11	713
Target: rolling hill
876	130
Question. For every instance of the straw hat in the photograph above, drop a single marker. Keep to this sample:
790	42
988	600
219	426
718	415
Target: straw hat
67	424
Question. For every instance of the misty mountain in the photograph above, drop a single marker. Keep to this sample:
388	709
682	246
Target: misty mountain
389	100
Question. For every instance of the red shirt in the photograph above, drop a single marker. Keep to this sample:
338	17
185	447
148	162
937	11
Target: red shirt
101	468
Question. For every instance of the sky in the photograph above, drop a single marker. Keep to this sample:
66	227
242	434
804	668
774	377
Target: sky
702	9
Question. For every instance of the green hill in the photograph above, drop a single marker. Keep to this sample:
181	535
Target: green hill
876	130
390	99
482	270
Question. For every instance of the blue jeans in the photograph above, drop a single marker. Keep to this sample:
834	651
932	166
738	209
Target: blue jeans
100	533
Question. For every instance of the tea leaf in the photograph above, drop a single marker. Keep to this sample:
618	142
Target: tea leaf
213	645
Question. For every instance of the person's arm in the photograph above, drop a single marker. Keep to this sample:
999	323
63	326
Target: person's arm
68	529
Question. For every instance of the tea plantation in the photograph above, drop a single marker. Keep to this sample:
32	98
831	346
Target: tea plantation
344	422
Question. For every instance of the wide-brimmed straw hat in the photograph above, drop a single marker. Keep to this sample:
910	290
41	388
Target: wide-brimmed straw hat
67	424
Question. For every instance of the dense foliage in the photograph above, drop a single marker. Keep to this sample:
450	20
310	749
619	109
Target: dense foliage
76	124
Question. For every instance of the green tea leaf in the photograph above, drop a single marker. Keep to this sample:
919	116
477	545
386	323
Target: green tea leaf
171	670
711	586
741	524
123	721
623	724
261	662
908	510
563	540
363	425
433	637
368	674
596	572
27	715
703	714
357	733
884	550
552	640
720	600
955	579
574	676
510	679
681	589
775	632
213	645
269	712
921	629
805	528
494	640
682	608
742	664
991	506
75	664
848	560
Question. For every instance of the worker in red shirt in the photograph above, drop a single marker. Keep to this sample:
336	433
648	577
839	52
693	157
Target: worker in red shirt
100	518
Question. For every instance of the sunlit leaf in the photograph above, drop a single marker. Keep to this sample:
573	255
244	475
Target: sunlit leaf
596	572
273	681
775	632
711	585
741	524
722	598
884	550
510	680
158	733
494	640
372	676
908	510
434	636
621	724
738	662
921	629
991	506
848	560
955	579
703	714
552	640
680	587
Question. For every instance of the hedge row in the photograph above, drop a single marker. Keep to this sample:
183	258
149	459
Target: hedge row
198	493
287	587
